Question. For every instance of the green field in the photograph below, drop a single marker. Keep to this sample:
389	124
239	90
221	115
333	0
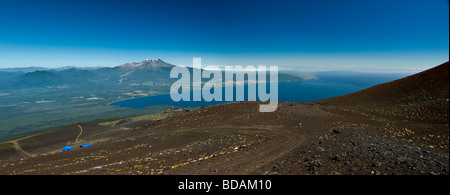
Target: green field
22	115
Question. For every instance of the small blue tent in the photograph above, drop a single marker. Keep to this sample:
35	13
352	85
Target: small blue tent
85	145
67	148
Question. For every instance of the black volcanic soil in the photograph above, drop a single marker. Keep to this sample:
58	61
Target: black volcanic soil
401	127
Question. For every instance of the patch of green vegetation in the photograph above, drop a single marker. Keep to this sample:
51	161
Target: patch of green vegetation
146	117
39	111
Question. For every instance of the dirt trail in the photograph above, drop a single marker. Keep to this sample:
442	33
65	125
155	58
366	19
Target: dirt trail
19	149
81	132
248	159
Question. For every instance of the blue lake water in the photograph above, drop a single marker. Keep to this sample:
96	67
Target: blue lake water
328	84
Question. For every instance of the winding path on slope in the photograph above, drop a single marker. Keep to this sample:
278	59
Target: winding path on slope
81	132
19	149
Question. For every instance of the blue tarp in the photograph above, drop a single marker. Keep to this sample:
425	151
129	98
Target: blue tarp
85	145
67	148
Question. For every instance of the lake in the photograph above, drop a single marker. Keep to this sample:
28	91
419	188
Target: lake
328	84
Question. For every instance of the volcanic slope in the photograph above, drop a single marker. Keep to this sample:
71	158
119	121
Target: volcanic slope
399	127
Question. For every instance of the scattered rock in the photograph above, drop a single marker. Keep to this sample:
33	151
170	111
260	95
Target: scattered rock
320	149
336	158
334	173
402	160
260	135
376	164
411	165
353	169
314	165
273	173
237	148
276	166
433	173
354	143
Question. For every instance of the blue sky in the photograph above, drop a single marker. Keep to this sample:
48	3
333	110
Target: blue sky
412	34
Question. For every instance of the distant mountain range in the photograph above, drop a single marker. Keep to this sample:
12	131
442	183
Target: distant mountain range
145	73
136	73
35	68
23	69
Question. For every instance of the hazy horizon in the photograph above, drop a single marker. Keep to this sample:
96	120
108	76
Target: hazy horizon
294	68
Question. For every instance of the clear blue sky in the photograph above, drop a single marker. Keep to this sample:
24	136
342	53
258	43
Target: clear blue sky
355	33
